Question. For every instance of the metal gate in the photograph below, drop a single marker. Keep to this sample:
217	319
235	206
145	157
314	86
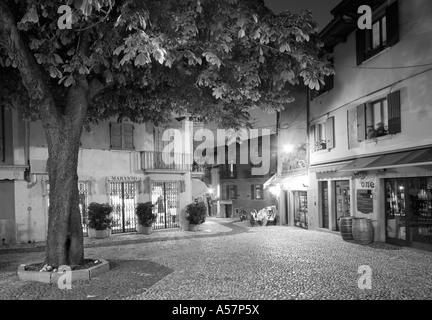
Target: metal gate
83	189
122	198
165	196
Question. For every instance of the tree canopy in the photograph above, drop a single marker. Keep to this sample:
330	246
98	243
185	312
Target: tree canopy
150	58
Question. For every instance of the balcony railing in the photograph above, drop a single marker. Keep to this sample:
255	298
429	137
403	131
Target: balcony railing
151	160
198	168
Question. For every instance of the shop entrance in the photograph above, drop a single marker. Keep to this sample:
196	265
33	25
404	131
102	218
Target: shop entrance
325	205
300	215
343	201
123	200
408	206
166	197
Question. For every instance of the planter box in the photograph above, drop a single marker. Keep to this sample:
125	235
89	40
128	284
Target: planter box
193	227
144	230
99	234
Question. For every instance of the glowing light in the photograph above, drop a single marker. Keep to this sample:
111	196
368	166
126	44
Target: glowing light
275	190
288	148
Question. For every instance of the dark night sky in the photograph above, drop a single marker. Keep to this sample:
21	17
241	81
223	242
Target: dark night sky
321	12
320	8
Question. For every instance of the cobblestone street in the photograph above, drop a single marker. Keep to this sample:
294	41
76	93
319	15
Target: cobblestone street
228	259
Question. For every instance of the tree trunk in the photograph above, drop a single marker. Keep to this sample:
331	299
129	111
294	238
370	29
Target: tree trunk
65	245
65	236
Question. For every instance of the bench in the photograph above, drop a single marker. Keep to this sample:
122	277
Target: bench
270	212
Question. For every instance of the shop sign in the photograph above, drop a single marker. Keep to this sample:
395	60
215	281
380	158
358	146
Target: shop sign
365	188
124	179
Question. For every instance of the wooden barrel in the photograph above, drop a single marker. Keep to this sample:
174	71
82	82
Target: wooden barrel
362	230
346	228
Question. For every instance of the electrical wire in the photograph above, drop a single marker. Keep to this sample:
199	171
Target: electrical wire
389	68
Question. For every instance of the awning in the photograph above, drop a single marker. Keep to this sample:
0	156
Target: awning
270	181
328	167
422	157
297	182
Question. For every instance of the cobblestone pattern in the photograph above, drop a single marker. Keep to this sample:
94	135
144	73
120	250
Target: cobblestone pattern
243	263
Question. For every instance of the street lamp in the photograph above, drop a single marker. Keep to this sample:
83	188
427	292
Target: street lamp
275	190
288	148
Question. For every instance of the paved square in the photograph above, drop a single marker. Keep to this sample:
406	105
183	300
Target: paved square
228	259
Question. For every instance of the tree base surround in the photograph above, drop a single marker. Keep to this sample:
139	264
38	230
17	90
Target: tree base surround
53	277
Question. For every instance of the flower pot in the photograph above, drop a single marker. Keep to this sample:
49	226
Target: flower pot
143	229
99	234
264	222
193	227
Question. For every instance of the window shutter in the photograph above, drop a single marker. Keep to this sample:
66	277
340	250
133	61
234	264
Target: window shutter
225	195
394	113
253	192
361	122
330	133
392	16
361	46
312	139
116	135
128	130
235	192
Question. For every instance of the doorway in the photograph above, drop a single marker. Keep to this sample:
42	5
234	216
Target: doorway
301	209
165	196
228	210
123	199
325	205
343	201
408	204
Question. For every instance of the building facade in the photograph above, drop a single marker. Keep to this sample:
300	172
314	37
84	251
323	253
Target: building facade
369	130
119	163
290	184
237	186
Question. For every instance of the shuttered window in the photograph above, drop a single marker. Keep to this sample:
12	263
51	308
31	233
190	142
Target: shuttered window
122	136
322	135
384	34
379	117
257	192
230	192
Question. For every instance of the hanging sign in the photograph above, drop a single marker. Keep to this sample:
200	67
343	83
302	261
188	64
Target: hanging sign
364	201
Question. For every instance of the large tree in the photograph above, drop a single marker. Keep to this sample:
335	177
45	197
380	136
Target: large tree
143	60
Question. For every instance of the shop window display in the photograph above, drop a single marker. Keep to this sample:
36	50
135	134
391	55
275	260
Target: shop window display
409	211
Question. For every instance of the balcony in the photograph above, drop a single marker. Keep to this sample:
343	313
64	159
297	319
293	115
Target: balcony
160	162
198	170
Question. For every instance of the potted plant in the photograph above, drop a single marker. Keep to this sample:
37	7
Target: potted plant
146	217
196	213
99	220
